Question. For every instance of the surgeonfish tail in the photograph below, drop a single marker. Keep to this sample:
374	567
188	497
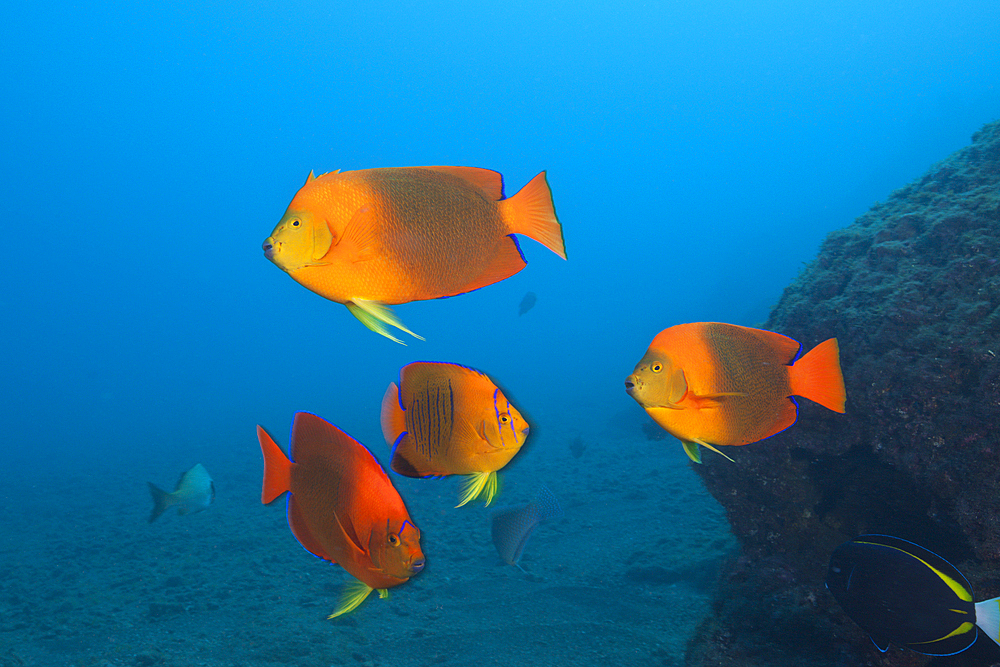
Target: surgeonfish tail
161	501
393	417
988	618
478	484
532	213
378	317
354	594
277	468
817	376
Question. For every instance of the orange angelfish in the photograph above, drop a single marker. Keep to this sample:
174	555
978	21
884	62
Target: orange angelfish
446	419
342	507
714	384
376	237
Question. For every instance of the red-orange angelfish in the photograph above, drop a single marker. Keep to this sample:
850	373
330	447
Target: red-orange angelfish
376	237
342	507
714	384
447	419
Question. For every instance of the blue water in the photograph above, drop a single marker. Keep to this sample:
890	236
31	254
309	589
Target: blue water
697	153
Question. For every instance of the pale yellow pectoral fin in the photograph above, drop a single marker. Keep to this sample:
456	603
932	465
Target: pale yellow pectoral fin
354	594
378	317
478	484
691	449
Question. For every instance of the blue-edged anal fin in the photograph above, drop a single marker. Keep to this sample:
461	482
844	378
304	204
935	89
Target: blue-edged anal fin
506	262
300	529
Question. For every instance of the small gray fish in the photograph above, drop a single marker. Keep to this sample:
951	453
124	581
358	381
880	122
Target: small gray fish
512	526
195	491
527	303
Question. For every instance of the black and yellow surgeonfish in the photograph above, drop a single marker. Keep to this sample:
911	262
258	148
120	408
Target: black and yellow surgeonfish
900	593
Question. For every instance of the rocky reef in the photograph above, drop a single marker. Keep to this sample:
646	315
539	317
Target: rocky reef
912	292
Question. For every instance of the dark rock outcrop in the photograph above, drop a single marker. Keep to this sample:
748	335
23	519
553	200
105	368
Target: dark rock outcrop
912	292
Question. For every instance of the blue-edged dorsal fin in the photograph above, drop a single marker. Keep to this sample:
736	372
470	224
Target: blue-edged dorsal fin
487	181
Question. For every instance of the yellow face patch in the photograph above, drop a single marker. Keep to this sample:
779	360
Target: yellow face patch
298	240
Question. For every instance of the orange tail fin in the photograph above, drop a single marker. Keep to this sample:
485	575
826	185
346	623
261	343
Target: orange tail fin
531	212
393	417
277	468
817	376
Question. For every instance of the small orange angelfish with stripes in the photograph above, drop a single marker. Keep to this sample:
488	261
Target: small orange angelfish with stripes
447	419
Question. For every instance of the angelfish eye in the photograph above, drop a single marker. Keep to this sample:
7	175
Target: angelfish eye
296	222
393	540
657	367
504	419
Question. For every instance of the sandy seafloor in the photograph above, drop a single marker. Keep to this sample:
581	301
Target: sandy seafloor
623	579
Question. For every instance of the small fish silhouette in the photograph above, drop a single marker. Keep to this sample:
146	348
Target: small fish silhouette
527	303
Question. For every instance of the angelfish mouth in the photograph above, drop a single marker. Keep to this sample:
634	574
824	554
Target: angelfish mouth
268	247
417	565
629	387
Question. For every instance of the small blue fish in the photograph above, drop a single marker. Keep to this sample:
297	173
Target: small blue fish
512	526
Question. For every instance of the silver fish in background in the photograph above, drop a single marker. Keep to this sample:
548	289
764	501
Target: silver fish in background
195	491
512	526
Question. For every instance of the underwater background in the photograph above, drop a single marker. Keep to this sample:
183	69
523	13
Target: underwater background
698	153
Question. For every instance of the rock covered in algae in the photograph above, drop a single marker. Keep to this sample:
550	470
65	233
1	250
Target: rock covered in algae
912	291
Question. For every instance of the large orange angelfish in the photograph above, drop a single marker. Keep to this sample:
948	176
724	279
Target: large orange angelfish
342	507
714	384
376	237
